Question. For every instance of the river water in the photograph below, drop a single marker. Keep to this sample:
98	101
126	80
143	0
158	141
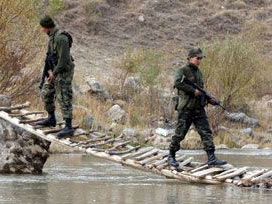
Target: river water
80	179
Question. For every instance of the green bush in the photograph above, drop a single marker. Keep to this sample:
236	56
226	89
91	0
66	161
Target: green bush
56	5
233	69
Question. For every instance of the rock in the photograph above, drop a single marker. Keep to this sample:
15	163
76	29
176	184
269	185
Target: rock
247	131
83	89
251	146
242	118
165	132
56	148
117	114
121	103
20	151
132	82
129	133
141	18
221	146
5	101
97	88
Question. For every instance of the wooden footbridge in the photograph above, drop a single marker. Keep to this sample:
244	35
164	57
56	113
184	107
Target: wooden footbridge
143	158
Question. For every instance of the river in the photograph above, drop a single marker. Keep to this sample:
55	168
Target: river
80	179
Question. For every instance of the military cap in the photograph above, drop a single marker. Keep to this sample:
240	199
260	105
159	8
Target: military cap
47	22
195	52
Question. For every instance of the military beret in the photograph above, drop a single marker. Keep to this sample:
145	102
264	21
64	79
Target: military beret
47	22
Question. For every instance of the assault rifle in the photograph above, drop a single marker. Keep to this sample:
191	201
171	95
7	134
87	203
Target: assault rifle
205	96
50	62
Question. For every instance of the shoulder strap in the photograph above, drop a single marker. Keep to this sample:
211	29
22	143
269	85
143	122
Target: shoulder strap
69	36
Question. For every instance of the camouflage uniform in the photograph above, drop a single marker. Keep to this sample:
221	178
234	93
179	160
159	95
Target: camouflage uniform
61	88
190	109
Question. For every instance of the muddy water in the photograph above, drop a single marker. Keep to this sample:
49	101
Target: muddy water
80	179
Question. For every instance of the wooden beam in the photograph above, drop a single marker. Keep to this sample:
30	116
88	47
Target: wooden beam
118	145
202	174
138	153
147	154
26	114
200	168
238	172
33	120
263	176
20	106
125	151
147	160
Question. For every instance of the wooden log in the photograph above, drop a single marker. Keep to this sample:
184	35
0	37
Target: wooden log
16	107
100	144
200	168
138	153
147	154
186	162
158	163
118	145
32	120
147	160
257	173
193	179
93	140
263	176
124	152
202	174
57	130
97	134
225	172
42	127
98	149
26	114
233	174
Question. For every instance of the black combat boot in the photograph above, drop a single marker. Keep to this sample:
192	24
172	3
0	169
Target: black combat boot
212	160
50	121
172	159
67	130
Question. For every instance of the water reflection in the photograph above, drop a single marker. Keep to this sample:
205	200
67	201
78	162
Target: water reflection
82	179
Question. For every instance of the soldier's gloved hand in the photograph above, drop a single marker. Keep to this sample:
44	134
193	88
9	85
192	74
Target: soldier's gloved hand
198	93
213	101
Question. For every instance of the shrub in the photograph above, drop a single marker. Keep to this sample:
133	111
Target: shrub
232	69
19	44
56	5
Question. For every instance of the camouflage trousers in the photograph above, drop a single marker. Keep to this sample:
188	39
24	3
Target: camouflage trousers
62	90
199	118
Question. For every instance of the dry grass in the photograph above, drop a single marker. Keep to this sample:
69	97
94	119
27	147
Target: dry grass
20	42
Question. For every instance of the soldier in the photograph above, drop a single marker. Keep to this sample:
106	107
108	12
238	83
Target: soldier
191	110
59	77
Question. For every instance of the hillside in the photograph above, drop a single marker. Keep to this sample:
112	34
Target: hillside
104	28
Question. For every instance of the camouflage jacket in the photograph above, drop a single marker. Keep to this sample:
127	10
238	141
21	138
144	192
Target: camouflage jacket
186	97
59	45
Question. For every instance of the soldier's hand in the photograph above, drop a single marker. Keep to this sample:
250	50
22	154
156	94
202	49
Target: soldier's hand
213	101
51	76
198	93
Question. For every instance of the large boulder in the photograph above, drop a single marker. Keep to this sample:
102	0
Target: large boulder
96	88
20	151
242	118
5	101
117	114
